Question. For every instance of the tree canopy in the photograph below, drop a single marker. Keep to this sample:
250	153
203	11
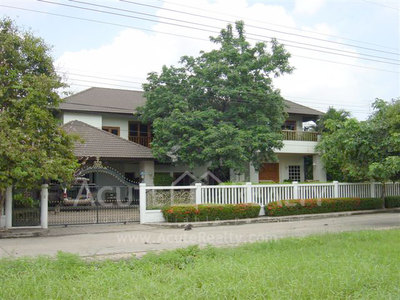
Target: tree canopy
220	107
364	150
33	148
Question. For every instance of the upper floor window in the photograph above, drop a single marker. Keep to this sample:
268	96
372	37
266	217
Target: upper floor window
289	125
140	133
113	130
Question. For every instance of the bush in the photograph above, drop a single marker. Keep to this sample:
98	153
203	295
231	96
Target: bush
162	179
392	201
316	206
210	212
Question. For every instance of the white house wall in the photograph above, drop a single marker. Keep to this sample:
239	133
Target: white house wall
91	119
304	147
118	121
286	160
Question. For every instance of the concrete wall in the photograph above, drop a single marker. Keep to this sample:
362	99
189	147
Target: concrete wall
286	160
303	147
91	119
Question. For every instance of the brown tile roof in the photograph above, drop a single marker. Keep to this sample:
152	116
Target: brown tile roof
97	99
100	143
295	108
104	100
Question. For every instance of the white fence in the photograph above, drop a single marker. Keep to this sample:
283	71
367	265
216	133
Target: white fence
152	198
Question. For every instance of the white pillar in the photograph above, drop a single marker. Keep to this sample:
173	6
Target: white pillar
295	190
198	193
248	192
147	171
253	174
44	206
373	191
336	189
9	207
142	202
319	172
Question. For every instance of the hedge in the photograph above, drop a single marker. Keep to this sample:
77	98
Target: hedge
162	179
210	212
392	201
316	206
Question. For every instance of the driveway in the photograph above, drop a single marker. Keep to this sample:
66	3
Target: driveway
118	241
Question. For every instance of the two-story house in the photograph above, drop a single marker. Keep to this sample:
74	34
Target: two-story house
105	120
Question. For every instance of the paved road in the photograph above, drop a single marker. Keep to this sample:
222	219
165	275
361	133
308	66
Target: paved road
117	241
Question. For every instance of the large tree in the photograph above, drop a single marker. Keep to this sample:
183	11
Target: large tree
33	148
355	150
220	107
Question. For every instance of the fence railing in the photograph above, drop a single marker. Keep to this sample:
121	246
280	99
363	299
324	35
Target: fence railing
153	198
295	135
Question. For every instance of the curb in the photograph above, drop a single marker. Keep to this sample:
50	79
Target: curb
274	219
22	233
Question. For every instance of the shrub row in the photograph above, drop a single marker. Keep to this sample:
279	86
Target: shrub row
162	179
210	212
316	206
392	201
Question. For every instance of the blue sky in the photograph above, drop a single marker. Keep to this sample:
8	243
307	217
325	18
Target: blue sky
94	54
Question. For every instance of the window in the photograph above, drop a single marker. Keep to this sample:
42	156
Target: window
140	133
294	173
113	130
289	125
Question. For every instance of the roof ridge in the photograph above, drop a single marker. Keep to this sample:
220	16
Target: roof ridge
109	133
303	106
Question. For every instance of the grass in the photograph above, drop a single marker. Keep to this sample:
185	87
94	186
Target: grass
355	265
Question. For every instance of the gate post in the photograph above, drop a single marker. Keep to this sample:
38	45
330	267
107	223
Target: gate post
248	192
44	206
373	192
142	202
9	207
336	189
295	190
198	193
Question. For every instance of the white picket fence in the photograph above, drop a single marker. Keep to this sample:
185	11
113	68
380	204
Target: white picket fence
153	197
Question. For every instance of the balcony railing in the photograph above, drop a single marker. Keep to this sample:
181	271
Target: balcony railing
293	135
142	140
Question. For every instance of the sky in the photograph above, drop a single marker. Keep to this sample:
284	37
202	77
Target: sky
345	53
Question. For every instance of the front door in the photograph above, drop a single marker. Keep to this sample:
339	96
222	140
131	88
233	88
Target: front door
270	172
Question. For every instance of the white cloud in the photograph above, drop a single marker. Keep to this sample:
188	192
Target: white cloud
134	53
307	6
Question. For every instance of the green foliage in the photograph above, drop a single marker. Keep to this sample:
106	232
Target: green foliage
24	200
317	206
349	265
366	150
332	120
33	148
163	179
219	107
210	212
392	201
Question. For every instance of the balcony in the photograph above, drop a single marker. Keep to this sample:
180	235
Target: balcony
293	135
142	140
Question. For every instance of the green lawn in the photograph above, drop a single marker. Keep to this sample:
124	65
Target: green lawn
358	265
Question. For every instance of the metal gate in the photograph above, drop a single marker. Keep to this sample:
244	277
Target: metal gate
26	208
96	205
